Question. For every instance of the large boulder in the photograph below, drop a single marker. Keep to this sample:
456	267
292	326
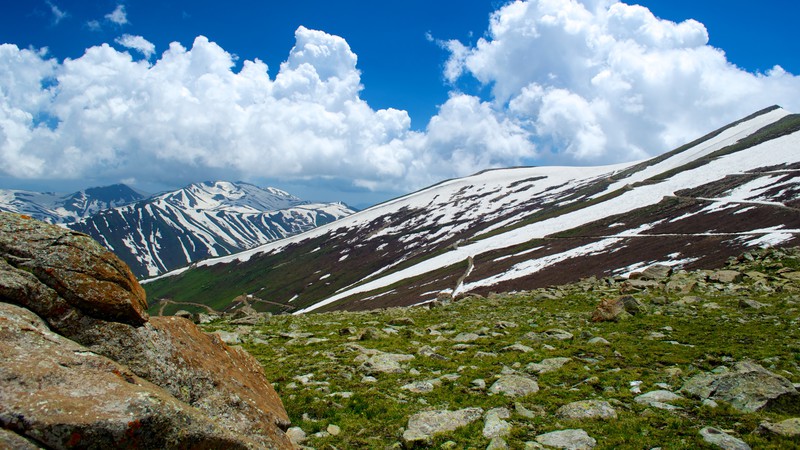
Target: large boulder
90	298
59	394
615	309
81	271
748	387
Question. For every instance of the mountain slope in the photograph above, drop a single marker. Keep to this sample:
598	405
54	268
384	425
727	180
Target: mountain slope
523	228
202	220
57	208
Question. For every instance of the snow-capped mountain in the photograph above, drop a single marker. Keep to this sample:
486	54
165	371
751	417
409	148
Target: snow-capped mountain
59	208
521	228
202	220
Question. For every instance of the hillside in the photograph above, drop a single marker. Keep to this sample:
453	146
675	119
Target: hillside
522	228
174	229
689	356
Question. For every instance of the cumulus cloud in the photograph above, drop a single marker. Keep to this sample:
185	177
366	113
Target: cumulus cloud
137	43
118	16
570	82
603	81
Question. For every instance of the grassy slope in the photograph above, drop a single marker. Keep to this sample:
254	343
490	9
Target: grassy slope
666	345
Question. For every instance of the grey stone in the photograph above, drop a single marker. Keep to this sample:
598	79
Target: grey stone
466	337
748	387
725	276
656	272
547	365
424	425
497	443
567	439
494	425
659	396
587	409
296	435
384	363
722	440
422	387
514	385
788	427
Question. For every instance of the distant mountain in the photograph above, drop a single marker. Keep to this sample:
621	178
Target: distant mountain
523	228
60	208
202	220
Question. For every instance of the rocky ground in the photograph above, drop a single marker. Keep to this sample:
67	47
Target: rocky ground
702	359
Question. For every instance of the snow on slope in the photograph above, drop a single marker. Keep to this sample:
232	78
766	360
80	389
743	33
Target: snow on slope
62	208
484	217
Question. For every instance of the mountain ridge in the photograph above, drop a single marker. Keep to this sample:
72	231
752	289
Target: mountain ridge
507	228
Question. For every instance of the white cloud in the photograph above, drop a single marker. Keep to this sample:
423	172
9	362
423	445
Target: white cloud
571	82
604	81
118	16
137	43
58	13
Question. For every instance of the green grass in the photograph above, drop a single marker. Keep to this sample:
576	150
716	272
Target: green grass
374	415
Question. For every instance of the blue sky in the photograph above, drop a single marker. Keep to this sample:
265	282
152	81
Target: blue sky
376	98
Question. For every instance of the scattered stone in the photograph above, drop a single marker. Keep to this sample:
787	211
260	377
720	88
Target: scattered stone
537	411
517	348
382	362
478	384
725	276
656	272
296	435
787	428
747	303
401	321
481	355
466	337
504	325
424	425
613	310
597	340
547	365
497	443
587	409
430	352
748	387
567	439
514	385
689	300
722	440
494	425
658	398
422	387
333	430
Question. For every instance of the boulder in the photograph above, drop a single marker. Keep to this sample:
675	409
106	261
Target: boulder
90	298
748	387
656	272
494	426
788	427
587	409
514	385
722	440
616	309
567	439
381	362
424	425
725	276
60	395
547	365
88	277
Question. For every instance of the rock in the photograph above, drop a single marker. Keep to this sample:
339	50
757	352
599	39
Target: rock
90	400
747	303
788	427
514	385
384	363
517	348
660	396
466	337
587	409
494	425
10	440
725	276
424	425
557	335
401	321
547	365
722	440
422	387
748	387
656	272
296	435
597	340
183	313
478	384
333	430
85	275
567	439
497	443
96	303
616	309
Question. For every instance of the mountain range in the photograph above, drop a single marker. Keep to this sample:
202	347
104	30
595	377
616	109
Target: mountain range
521	228
166	231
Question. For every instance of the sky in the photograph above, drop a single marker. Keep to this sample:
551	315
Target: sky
364	101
